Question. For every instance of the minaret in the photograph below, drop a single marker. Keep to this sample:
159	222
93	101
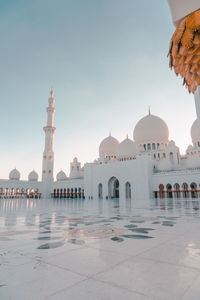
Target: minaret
48	154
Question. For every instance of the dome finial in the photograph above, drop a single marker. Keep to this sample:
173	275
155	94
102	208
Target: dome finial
51	92
127	135
149	111
110	133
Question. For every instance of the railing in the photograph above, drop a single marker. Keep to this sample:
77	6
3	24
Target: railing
20	195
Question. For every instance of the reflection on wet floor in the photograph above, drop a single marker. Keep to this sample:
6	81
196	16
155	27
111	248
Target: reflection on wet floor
51	245
137	236
48	246
77	220
117	239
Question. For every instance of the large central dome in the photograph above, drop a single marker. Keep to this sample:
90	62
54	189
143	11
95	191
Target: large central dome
151	129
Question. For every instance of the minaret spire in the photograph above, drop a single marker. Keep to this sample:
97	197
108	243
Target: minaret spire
48	154
51	92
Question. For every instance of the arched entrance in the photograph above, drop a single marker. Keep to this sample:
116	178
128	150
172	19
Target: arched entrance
161	191
128	190
100	191
185	190
177	193
113	188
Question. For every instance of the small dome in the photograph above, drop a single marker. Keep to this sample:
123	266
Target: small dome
61	176
151	129
195	132
108	147
33	176
126	149
14	174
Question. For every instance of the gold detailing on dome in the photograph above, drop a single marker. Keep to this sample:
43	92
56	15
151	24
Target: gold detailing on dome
184	51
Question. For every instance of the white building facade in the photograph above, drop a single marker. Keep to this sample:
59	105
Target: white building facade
147	166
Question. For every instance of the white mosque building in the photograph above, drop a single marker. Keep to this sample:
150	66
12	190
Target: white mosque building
147	166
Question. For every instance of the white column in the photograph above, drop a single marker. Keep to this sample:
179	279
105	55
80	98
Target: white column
48	154
197	104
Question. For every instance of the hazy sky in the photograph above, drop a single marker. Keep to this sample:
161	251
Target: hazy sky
106	60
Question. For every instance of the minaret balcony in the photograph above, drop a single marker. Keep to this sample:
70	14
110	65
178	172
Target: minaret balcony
49	129
50	109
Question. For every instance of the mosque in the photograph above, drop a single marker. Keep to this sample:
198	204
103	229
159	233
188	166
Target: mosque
149	166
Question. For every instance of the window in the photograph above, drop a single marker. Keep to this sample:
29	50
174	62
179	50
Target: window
149	146
154	146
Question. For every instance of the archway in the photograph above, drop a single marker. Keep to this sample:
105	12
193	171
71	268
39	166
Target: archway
193	186
177	192
185	190
128	190
113	188
100	191
169	191
161	191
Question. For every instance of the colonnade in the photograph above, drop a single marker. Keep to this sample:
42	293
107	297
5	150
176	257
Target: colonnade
68	193
12	193
184	190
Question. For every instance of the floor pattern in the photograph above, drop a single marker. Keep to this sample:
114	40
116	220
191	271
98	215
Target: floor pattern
99	249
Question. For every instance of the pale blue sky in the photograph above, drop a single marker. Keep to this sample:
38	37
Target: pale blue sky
106	60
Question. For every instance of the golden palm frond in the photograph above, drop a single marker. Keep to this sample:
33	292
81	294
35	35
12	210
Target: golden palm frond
184	51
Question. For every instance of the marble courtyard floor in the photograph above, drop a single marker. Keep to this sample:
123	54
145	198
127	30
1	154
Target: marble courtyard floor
99	249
